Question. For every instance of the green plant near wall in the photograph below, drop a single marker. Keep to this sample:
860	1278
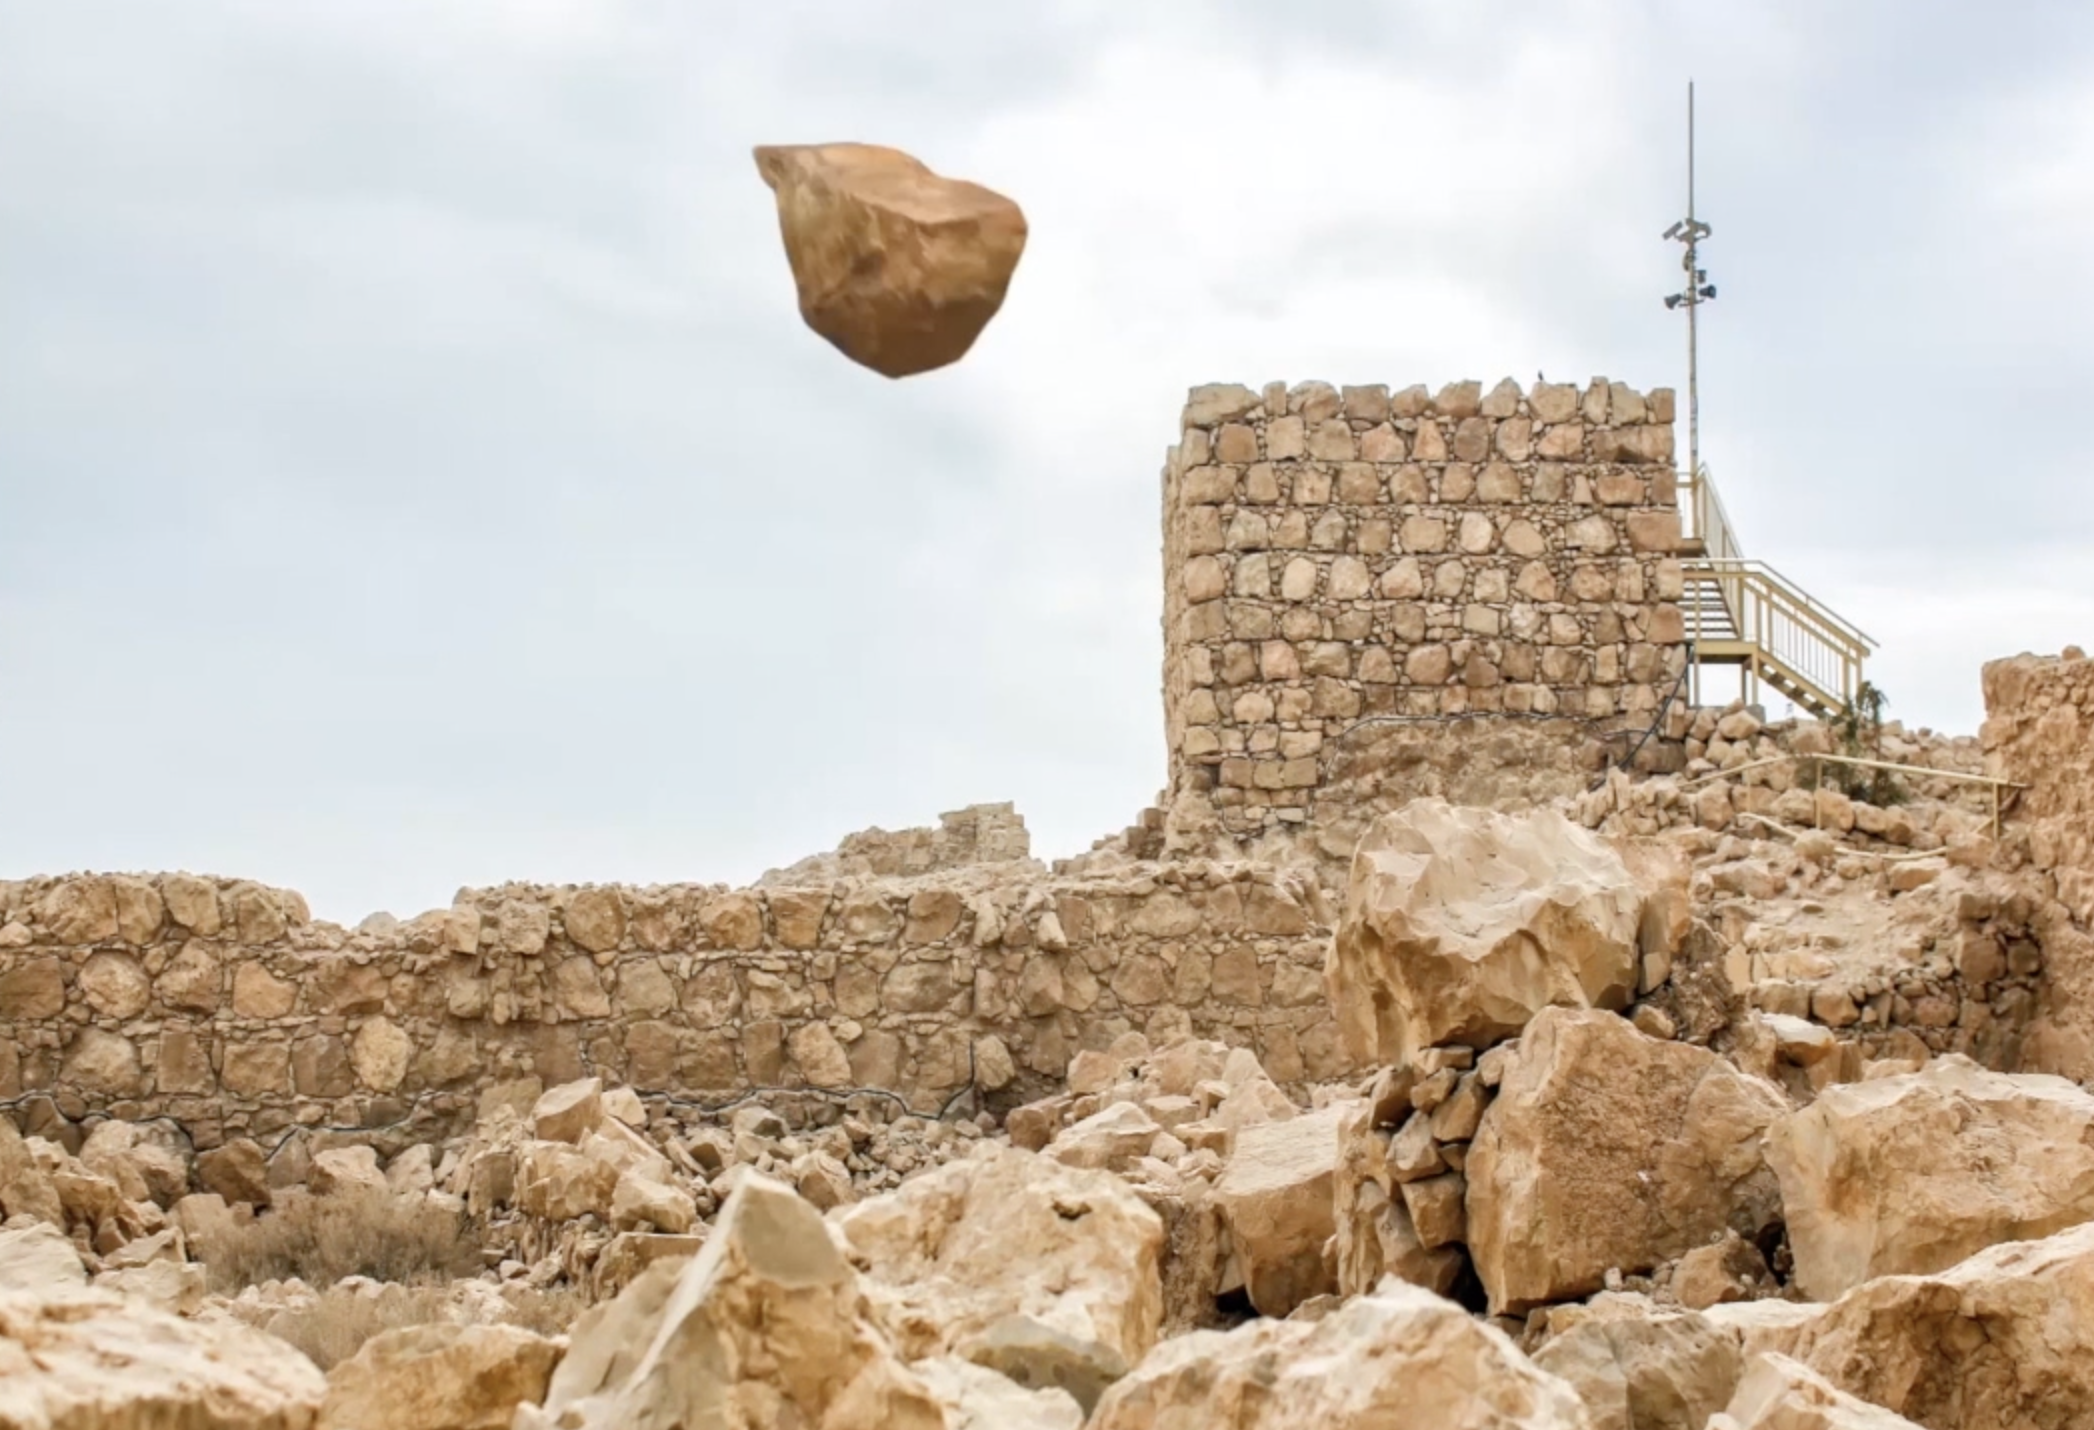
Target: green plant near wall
1859	730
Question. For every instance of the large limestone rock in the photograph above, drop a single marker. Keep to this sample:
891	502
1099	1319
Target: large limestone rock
1400	1359
439	1377
1639	1368
89	1360
767	1326
2002	1341
39	1259
897	267
148	1160
1608	1149
954	1255
1777	1393
1916	1172
25	1188
1461	924
1276	1200
1762	1326
981	1399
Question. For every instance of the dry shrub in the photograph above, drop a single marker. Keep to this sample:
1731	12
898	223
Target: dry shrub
361	1232
333	1327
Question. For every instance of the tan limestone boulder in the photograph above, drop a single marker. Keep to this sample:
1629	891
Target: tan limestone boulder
953	1253
1110	1139
898	268
1399	1358
1728	1270
1767	1325
39	1259
1461	924
177	1286
346	1171
1914	1173
977	1398
237	1171
766	1326
1638	1367
1777	1393
439	1377
641	1203
2001	1341
25	1187
557	1182
90	1360
569	1112
150	1161
1376	1238
1276	1198
1605	1149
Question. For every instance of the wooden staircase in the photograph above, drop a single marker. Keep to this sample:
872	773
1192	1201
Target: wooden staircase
1744	613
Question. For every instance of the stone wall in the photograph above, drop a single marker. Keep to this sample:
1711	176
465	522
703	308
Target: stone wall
2039	732
223	1004
1331	557
978	834
1885	926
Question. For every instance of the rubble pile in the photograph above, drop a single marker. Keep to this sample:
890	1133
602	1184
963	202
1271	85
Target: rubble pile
1719	1124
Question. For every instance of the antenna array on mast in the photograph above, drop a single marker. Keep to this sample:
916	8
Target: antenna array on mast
1691	231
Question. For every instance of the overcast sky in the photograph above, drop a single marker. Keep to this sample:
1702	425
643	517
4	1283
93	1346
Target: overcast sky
414	472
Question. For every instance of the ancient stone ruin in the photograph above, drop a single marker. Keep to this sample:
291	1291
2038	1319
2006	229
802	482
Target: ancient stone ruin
1475	1033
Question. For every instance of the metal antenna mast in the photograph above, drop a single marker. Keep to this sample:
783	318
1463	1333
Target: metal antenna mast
1691	231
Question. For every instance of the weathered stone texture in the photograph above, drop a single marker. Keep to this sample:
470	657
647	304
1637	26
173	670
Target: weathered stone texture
1331	559
998	976
2039	733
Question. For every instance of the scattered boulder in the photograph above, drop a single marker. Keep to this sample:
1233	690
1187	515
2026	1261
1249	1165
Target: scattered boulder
1032	1354
1777	1393
237	1171
898	268
1110	1139
93	1359
1727	1270
1276	1200
345	1170
1639	1368
640	1202
955	1251
176	1286
980	1399
149	1161
1761	1326
2001	1341
1913	1173
1461	924
556	1182
39	1259
439	1377
1376	1238
570	1112
766	1326
25	1188
1606	1149
1399	1357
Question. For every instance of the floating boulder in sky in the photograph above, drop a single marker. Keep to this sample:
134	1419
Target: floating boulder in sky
897	267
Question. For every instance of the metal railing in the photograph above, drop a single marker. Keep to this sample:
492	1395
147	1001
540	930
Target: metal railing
1705	520
1744	612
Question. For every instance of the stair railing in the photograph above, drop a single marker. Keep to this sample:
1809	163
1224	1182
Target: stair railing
1797	644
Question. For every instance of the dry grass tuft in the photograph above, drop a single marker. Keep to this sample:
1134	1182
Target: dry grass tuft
320	1240
334	1326
412	1248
